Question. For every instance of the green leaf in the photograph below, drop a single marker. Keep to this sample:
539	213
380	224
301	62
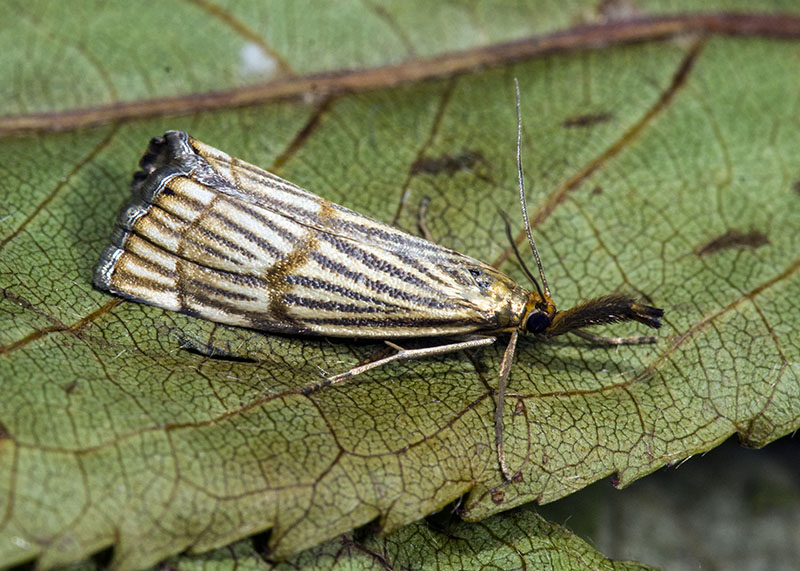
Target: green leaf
515	540
664	167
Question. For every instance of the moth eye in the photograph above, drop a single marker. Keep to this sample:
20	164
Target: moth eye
537	322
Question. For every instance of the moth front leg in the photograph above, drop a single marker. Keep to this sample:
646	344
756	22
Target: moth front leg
636	340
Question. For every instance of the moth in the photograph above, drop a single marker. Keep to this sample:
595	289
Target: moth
212	236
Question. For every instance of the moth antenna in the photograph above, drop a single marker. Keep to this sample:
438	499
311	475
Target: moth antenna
522	198
522	263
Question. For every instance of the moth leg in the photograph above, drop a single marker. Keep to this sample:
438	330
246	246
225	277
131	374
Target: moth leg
400	355
210	349
505	370
637	340
403	200
422	215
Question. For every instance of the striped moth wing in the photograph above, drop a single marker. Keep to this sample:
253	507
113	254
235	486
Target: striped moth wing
212	236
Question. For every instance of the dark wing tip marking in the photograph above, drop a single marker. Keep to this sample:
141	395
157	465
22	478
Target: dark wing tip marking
147	183
161	151
104	271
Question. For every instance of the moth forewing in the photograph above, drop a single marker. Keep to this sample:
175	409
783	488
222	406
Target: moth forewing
216	237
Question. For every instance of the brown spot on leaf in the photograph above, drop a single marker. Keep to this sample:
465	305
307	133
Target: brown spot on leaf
597	191
587	120
796	186
71	386
498	496
733	239
448	164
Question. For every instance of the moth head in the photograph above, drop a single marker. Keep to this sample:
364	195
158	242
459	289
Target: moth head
539	314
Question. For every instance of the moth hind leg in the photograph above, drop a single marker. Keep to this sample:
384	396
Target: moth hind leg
211	349
400	354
